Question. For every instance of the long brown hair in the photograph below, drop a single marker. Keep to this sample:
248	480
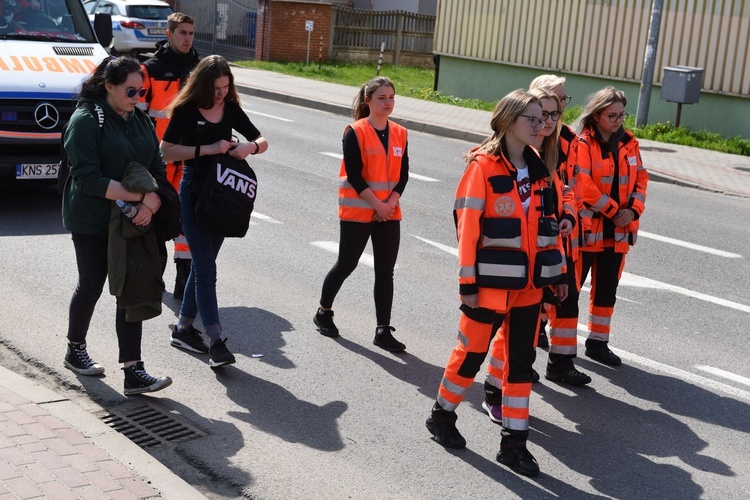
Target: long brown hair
199	90
360	108
595	103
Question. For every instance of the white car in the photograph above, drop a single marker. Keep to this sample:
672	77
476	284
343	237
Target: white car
136	24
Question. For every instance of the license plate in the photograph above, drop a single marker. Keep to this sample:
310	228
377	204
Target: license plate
157	31
37	170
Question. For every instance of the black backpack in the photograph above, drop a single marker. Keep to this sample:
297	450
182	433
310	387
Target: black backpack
64	171
225	199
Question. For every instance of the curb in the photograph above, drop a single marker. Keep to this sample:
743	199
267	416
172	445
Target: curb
119	447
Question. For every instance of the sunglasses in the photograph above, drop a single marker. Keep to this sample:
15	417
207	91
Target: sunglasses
131	92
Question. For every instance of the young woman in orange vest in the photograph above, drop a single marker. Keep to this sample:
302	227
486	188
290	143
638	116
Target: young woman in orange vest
509	251
614	194
563	317
372	178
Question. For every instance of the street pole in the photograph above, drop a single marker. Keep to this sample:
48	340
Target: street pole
649	61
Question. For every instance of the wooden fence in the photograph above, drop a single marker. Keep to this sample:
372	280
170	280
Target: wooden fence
366	30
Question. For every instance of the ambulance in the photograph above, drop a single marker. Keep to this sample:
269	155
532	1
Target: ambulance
47	48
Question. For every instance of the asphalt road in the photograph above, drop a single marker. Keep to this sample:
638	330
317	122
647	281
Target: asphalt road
322	418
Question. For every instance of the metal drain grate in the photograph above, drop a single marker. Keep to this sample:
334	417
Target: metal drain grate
150	427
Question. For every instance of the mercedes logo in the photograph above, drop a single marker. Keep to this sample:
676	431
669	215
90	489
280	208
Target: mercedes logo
46	116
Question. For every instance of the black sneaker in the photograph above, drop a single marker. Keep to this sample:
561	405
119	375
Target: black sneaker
520	460
324	321
137	381
78	360
442	425
188	338
598	351
180	280
384	339
569	375
219	354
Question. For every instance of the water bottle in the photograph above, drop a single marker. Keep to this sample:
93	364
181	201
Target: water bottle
129	210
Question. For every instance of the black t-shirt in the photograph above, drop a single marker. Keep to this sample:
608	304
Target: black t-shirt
184	122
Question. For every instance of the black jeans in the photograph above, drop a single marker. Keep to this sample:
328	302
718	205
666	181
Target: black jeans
386	237
91	258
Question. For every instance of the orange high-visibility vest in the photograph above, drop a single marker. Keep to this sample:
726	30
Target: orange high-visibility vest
568	172
598	169
380	169
501	249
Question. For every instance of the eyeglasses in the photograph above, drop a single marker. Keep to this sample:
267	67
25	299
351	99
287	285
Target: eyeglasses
554	115
613	118
534	121
566	99
131	92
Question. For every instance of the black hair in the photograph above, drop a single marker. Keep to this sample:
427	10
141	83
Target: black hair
114	70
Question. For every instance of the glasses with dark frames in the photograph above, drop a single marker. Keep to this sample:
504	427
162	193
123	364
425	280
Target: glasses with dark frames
566	99
534	121
131	92
554	115
614	117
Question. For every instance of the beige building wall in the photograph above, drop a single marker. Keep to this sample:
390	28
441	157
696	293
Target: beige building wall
602	38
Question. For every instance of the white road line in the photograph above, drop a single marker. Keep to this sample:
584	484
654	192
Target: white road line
333	247
638	282
692	246
412	175
725	374
258	215
266	115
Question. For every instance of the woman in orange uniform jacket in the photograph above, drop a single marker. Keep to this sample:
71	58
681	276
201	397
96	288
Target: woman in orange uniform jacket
372	178
615	183
563	317
509	250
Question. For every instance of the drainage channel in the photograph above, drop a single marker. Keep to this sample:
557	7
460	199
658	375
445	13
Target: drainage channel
150	427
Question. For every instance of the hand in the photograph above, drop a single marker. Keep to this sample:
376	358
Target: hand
561	292
566	227
623	217
470	300
241	151
152	201
383	212
143	217
219	147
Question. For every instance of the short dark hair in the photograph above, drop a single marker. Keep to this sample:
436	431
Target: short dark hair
176	18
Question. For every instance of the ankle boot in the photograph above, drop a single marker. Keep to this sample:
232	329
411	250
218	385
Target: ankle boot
442	425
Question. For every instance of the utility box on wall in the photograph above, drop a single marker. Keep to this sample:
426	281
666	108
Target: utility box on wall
682	84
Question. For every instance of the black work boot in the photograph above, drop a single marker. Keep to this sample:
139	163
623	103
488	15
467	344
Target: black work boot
180	279
442	425
598	351
520	460
543	340
560	368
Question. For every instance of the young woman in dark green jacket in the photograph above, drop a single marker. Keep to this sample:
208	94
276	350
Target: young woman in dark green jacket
99	146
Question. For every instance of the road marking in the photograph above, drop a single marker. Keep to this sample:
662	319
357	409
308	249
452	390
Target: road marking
333	247
412	175
266	218
267	116
638	282
692	246
725	374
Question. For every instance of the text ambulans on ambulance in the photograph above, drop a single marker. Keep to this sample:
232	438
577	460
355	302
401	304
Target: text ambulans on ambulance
47	48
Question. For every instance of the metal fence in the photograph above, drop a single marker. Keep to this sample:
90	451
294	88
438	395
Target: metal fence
367	29
225	27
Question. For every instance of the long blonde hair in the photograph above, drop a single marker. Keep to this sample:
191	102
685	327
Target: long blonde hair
594	104
506	112
550	143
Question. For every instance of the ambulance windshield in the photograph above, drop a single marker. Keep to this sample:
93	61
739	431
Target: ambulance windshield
45	20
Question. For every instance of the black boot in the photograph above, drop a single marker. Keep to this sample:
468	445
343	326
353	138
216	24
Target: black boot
560	368
598	351
520	460
543	340
180	279
442	425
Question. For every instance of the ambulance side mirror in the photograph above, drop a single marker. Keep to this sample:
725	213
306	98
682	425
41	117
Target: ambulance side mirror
103	29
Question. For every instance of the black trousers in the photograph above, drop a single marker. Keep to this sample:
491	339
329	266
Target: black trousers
386	238
91	258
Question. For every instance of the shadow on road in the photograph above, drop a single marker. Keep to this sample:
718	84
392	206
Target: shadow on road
30	210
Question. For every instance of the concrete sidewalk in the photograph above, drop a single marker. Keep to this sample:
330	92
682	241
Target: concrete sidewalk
686	166
50	447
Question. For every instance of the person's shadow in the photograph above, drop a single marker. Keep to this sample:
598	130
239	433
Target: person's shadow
611	441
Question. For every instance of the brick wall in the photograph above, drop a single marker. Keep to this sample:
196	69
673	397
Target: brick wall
281	30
